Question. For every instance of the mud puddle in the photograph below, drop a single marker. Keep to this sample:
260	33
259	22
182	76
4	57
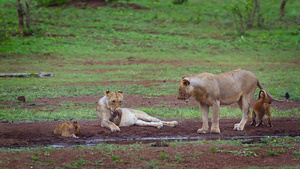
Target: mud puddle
40	134
160	141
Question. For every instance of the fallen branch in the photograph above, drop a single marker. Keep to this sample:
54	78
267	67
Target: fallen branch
26	74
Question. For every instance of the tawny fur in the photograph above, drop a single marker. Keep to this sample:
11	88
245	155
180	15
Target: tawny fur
106	109
261	106
68	129
213	90
112	116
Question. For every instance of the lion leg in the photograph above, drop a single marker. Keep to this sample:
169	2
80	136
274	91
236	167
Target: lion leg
73	135
215	118
145	123
244	104
144	116
260	118
269	116
253	118
260	122
170	123
110	125
204	111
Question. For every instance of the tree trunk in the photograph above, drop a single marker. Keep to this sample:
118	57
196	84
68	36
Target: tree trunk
20	13
282	7
253	14
242	23
27	14
259	20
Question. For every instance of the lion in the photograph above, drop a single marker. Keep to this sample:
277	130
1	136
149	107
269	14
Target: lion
221	89
111	116
68	129
261	106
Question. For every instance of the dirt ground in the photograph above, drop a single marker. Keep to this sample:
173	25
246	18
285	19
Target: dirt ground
193	156
41	133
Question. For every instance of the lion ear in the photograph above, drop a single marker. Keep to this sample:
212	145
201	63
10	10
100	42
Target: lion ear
259	94
266	96
107	92
120	91
185	82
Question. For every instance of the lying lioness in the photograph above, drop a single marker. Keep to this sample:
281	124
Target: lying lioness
112	116
129	117
68	129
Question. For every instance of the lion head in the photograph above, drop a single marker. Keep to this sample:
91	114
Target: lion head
114	99
264	96
183	89
76	127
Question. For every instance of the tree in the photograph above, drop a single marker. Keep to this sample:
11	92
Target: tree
282	8
21	15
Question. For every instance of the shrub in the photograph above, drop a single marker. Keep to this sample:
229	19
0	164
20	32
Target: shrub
51	2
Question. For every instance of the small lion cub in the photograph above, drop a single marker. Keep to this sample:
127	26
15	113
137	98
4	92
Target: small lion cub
261	107
68	129
116	117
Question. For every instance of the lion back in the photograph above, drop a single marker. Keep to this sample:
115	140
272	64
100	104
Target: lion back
67	128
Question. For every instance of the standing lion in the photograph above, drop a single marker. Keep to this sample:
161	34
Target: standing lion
213	90
112	116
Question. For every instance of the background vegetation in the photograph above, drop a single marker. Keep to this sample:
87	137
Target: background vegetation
162	41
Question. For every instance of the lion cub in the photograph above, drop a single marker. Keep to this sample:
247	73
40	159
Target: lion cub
261	107
68	129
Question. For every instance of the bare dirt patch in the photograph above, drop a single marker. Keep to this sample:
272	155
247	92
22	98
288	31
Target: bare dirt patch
41	133
191	156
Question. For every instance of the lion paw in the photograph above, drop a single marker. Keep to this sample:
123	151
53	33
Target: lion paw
174	123
116	128
159	126
202	131
215	131
238	127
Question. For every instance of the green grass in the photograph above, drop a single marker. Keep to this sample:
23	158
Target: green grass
86	49
111	154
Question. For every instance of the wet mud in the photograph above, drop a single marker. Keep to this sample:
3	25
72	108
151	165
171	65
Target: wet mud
38	134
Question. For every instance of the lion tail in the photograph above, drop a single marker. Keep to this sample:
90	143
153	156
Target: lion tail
260	86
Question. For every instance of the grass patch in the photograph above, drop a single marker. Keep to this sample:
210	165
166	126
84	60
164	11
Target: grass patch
87	49
85	111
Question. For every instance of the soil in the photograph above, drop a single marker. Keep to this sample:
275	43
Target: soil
41	133
194	155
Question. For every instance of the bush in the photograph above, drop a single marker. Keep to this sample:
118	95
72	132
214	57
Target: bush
51	2
179	2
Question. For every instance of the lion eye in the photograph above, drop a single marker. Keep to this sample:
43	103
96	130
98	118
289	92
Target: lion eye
113	101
